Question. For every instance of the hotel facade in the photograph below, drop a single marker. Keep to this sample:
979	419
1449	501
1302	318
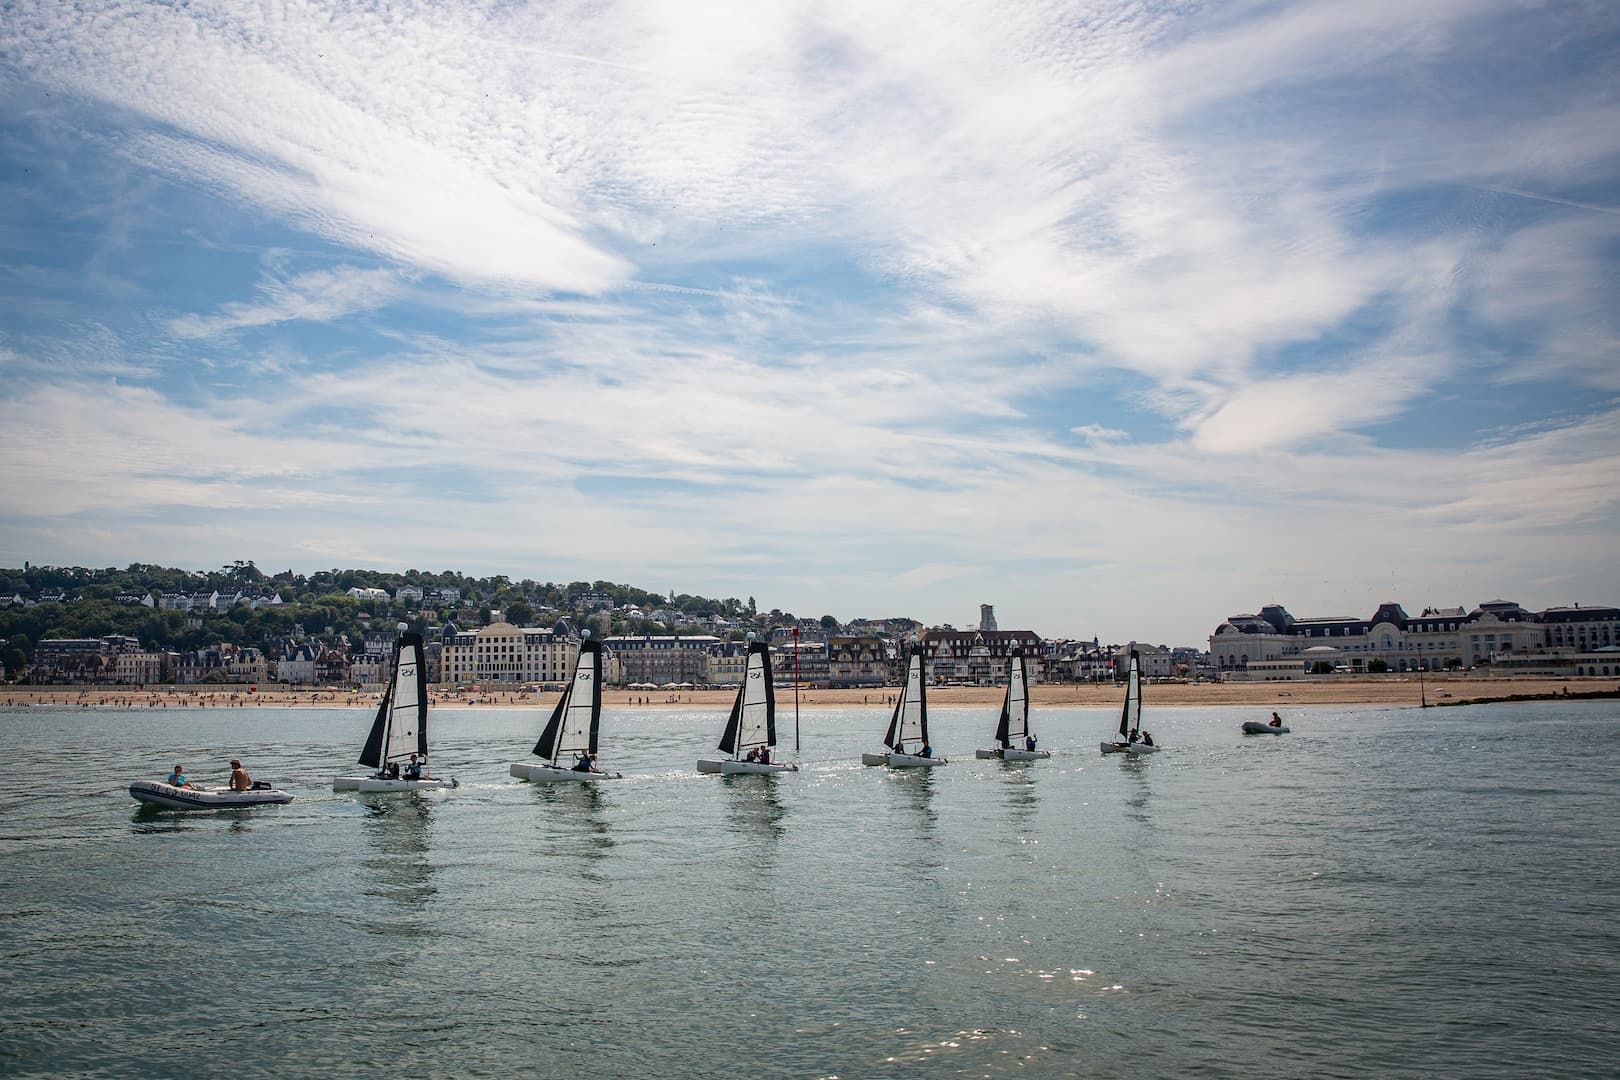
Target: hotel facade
1499	634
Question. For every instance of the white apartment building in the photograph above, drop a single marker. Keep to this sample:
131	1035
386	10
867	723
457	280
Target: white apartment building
1438	639
140	668
1153	661
979	657
663	658
501	652
370	668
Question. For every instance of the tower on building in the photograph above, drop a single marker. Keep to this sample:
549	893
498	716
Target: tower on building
987	617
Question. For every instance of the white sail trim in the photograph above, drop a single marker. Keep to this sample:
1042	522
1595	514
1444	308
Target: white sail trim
574	736
752	728
910	733
1017	702
405	713
1133	695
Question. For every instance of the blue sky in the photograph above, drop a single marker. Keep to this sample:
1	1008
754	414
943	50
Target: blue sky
1123	317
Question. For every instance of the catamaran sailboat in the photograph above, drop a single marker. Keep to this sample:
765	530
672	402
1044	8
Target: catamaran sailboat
909	724
1014	740
750	735
567	746
399	731
1132	739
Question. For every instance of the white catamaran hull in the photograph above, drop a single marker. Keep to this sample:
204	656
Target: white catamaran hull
1012	753
759	768
1255	727
551	774
732	766
373	785
156	793
914	761
1134	749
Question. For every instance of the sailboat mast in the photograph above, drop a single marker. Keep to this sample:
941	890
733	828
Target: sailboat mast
795	691
1423	697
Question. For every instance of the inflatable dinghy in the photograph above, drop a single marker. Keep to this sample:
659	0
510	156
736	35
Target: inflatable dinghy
157	793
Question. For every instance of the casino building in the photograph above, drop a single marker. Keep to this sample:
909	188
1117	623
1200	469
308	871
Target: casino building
1498	633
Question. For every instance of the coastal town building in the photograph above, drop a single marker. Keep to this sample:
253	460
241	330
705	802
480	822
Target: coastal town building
728	663
67	659
662	658
297	663
224	662
805	662
1496	633
1581	628
979	657
502	652
858	660
141	668
1153	661
200	601
370	668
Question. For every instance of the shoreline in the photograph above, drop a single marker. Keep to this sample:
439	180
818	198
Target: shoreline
1389	690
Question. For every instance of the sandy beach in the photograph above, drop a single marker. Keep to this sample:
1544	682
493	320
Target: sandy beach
1390	690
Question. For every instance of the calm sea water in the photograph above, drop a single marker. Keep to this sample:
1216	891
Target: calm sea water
1380	893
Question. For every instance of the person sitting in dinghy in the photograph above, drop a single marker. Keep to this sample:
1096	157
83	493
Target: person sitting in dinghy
1029	742
413	771
1147	740
926	751
1276	721
178	777
584	763
240	780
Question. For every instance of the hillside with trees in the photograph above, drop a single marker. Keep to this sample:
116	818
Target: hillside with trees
42	602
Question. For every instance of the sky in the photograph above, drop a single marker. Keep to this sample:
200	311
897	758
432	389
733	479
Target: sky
1121	316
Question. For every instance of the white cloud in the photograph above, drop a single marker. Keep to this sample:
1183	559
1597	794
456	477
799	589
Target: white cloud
317	296
819	283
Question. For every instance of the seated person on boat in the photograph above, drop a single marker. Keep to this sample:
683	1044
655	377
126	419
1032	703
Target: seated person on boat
413	771
240	780
584	763
178	777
